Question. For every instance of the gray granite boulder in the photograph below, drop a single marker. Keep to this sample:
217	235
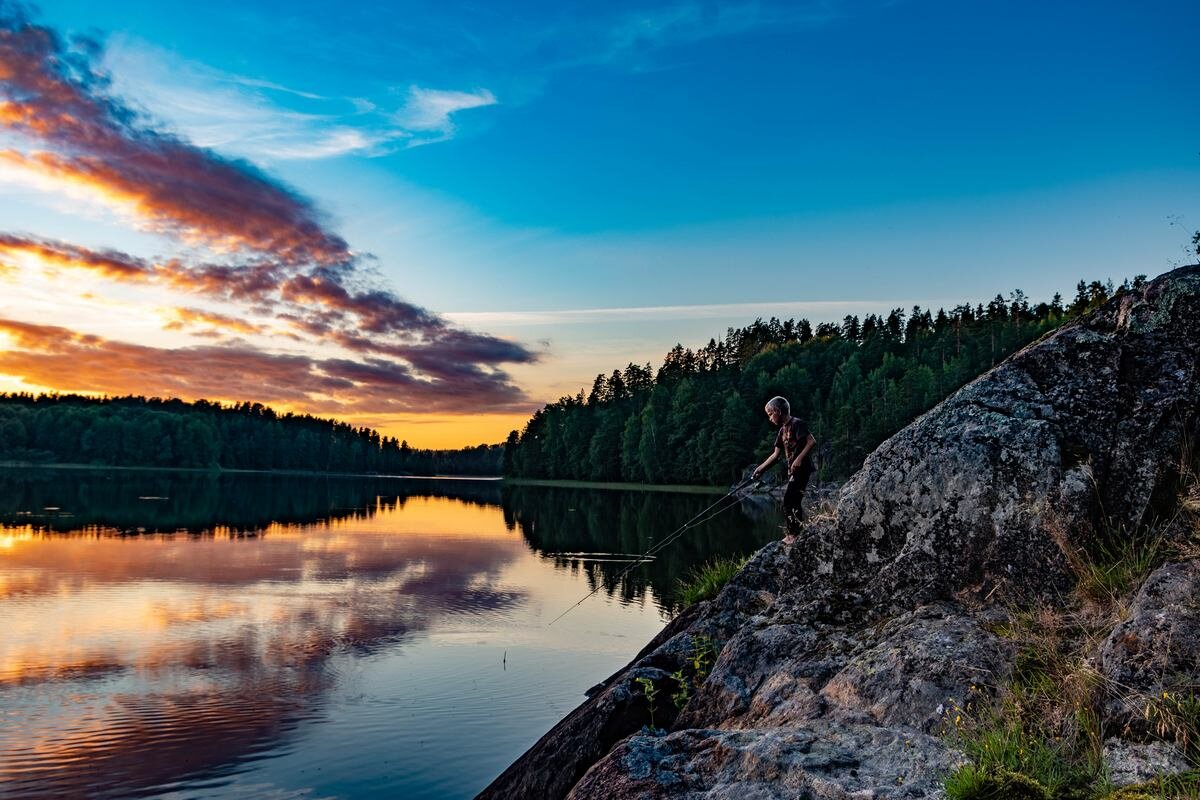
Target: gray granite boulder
821	761
838	654
1131	763
1155	651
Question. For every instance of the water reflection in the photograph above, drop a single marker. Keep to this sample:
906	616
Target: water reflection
166	657
136	501
581	529
177	658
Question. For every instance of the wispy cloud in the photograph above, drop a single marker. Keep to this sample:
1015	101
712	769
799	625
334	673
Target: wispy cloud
429	111
244	114
645	37
251	116
249	240
210	322
684	23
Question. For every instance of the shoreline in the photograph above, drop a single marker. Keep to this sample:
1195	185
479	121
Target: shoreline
682	488
561	484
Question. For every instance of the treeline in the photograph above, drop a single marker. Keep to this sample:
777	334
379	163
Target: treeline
149	432
698	418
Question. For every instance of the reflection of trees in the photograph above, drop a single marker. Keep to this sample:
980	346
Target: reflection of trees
225	661
554	521
559	521
198	503
264	675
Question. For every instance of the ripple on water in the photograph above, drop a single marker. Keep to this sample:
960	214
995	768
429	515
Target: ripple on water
137	745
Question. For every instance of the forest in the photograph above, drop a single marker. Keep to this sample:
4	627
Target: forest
698	418
150	432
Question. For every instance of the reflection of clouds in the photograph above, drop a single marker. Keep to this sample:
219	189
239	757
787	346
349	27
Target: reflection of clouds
147	740
205	652
20	584
57	563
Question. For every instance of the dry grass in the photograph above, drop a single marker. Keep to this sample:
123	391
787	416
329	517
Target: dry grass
1042	731
1040	735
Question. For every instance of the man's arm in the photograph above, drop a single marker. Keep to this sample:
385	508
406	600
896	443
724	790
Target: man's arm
763	467
799	459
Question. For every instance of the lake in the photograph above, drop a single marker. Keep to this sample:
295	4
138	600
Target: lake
240	635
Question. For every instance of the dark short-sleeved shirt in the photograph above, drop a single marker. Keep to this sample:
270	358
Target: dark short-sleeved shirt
791	437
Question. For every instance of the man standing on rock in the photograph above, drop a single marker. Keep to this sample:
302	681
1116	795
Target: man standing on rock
796	443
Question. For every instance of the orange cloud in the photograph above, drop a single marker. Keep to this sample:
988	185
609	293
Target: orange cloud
47	355
193	195
111	264
272	252
58	98
188	317
317	304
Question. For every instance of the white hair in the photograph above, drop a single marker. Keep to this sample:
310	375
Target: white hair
781	405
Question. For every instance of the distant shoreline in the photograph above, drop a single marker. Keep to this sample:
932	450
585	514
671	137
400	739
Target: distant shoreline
619	486
561	484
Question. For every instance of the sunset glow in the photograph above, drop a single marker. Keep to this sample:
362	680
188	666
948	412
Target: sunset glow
437	245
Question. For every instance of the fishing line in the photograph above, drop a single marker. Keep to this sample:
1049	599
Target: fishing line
646	556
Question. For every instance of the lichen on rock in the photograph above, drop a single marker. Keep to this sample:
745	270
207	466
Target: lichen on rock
839	658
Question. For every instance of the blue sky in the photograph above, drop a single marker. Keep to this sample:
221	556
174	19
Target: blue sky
598	181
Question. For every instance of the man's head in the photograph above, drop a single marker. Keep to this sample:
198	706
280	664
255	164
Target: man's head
778	410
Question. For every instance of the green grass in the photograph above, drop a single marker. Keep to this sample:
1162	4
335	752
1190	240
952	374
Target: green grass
975	783
1185	786
1039	736
705	582
1011	757
1120	565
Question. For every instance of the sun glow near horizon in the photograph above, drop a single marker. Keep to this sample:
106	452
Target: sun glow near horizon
434	249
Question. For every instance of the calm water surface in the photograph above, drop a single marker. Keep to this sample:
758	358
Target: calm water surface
262	636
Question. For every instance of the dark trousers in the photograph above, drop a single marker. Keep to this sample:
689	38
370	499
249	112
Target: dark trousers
793	513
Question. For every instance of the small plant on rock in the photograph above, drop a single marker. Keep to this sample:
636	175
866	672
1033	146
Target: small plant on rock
975	783
1120	565
689	677
1012	754
650	690
1185	786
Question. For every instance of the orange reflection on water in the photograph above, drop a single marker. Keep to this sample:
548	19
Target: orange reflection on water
207	647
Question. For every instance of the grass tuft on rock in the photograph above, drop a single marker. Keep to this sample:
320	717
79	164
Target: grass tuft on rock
1013	756
706	581
975	783
1040	730
1121	565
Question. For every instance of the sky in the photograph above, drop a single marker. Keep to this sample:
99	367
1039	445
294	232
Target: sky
433	218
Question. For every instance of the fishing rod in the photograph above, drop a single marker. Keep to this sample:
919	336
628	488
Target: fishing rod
649	554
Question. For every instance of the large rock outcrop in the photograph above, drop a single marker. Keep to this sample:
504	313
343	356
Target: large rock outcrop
840	655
